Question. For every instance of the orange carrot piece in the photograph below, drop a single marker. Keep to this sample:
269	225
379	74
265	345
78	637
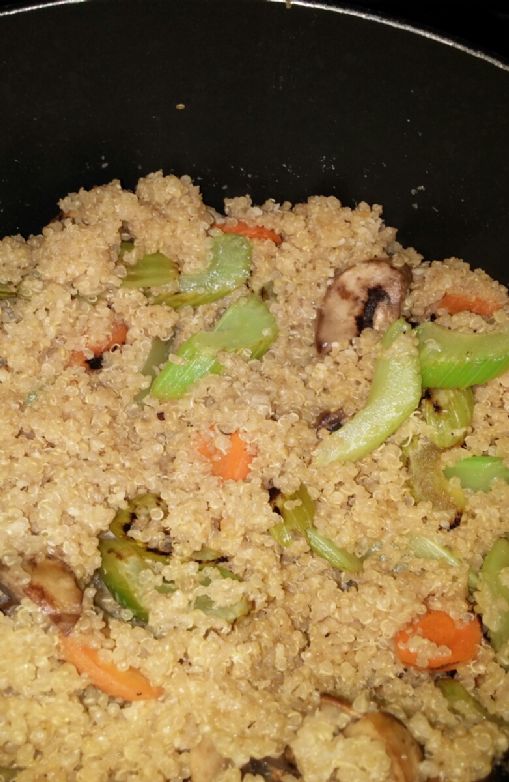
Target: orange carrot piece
437	626
457	302
230	466
118	337
130	685
251	231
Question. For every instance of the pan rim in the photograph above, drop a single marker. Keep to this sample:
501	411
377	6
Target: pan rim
314	4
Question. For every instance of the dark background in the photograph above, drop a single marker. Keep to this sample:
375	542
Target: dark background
482	25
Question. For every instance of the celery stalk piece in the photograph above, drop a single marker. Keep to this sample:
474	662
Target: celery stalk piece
493	576
229	268
427	480
395	394
151	271
7	291
228	613
246	325
339	558
298	512
281	534
121	566
478	472
297	509
426	548
448	413
157	356
460	700
8	774
453	359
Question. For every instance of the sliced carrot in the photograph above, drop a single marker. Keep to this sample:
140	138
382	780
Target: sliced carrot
457	302
118	337
440	628
130	685
251	231
230	466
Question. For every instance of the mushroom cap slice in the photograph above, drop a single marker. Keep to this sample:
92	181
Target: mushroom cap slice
404	752
50	584
367	295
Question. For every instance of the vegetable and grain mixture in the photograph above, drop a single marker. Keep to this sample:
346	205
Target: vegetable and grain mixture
255	476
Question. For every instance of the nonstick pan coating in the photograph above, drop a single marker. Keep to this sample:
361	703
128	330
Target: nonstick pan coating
252	96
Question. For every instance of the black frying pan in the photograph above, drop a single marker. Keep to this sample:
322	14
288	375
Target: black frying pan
278	102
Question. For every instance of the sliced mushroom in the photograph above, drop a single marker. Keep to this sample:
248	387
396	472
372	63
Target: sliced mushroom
367	295
272	769
404	752
51	585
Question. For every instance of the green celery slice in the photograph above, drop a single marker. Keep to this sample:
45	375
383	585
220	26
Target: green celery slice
151	271
157	356
422	546
229	268
246	325
460	700
453	359
298	518
478	472
395	394
281	534
338	557
496	561
121	566
7	291
448	413
139	507
228	613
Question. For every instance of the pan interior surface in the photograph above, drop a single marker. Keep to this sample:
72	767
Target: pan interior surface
257	97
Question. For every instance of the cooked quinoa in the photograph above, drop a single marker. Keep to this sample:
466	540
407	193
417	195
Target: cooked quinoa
77	447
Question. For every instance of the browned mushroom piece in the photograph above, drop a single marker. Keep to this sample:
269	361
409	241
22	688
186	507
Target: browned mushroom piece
367	295
404	752
273	769
402	749
51	585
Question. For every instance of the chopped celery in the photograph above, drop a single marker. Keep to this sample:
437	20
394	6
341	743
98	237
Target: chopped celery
8	774
281	534
478	472
206	554
424	547
246	324
448	413
121	566
151	271
297	509
229	269
493	576
427	480
139	508
337	557
395	394
460	700
453	359
158	355
228	613
126	246
7	291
